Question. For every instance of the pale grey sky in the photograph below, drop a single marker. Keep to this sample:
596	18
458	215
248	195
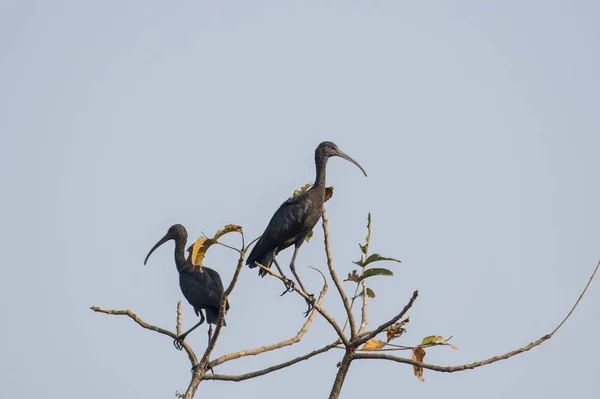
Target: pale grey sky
477	123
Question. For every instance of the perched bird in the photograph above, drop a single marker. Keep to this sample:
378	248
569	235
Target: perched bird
202	288
295	218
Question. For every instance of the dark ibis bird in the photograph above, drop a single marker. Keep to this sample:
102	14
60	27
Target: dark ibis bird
203	289
295	218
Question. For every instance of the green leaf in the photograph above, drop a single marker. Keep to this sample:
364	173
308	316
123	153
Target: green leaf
375	272
365	248
370	293
377	258
360	262
433	340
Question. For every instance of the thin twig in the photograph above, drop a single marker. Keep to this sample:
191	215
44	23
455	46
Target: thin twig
452	369
228	246
364	315
251	242
470	366
179	317
361	339
287	342
242	377
335	278
304	295
578	299
147	326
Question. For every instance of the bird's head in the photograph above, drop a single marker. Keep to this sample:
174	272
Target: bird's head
176	232
329	149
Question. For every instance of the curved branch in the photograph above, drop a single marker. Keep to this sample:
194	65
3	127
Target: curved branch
319	309
242	377
267	348
361	339
452	369
470	366
335	278
147	326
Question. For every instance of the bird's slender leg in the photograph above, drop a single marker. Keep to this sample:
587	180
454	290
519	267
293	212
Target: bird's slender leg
209	333
311	301
178	342
289	284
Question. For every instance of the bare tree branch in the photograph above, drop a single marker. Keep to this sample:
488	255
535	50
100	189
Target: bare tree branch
578	299
470	366
242	377
179	316
222	310
451	369
199	372
267	348
364	315
304	295
147	326
228	246
344	366
370	334
335	278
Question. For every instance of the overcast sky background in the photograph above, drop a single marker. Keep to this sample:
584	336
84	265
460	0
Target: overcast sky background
477	122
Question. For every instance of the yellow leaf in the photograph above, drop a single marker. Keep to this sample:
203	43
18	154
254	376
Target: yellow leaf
227	229
302	190
433	340
418	355
199	250
373	344
203	243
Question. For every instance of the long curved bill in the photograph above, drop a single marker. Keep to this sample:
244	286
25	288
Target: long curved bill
158	244
347	157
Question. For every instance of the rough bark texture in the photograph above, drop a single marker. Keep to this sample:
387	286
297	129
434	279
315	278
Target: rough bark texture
341	374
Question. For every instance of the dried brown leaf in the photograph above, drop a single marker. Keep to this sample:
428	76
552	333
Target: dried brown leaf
328	193
396	330
352	276
418	355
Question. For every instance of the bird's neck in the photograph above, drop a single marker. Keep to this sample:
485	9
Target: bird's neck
321	164
180	253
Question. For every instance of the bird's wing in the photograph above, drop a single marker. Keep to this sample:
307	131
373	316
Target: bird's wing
199	288
285	225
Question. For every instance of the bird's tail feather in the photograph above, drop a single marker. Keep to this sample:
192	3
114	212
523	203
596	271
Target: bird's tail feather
212	316
265	260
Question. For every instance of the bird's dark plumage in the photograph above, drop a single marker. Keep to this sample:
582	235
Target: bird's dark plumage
202	289
296	216
290	223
